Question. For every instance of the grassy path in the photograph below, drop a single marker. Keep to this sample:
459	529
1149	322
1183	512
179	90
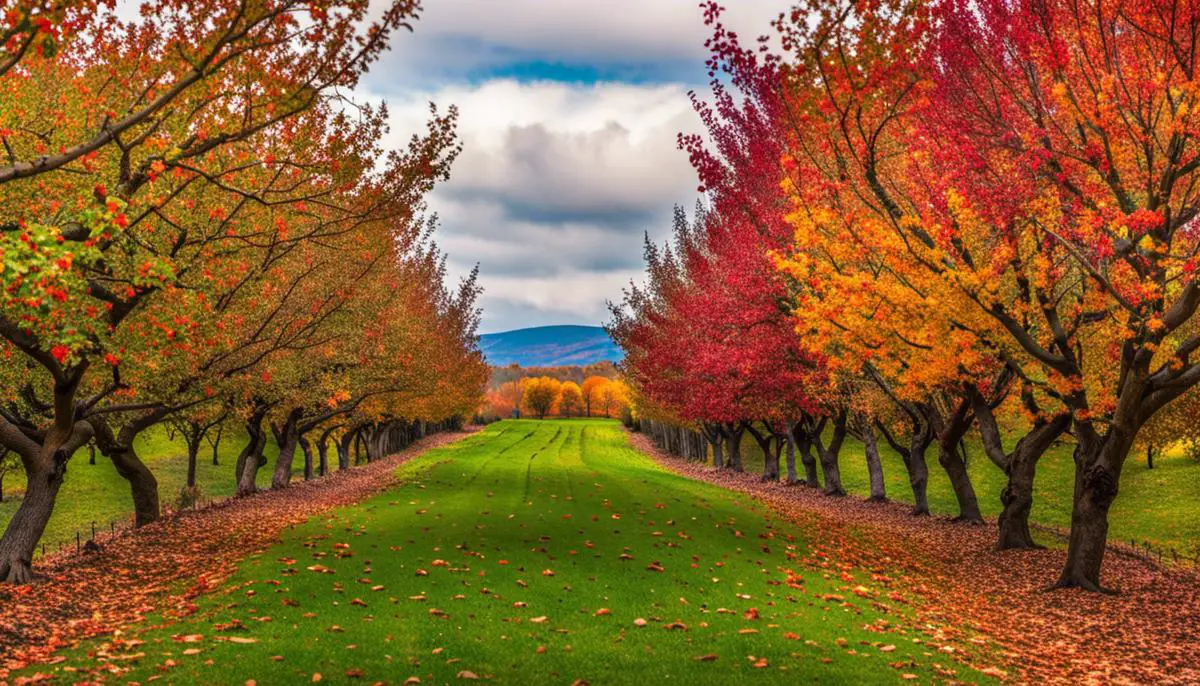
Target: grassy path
536	553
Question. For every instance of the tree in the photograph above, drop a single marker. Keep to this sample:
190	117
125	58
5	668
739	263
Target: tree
570	401
613	398
540	394
590	391
153	175
1051	209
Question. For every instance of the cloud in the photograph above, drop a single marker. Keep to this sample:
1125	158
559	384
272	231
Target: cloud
632	40
569	116
554	189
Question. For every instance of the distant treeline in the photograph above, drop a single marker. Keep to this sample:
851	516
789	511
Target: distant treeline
575	373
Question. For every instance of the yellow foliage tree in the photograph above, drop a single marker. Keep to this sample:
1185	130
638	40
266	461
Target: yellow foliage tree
570	401
591	390
540	394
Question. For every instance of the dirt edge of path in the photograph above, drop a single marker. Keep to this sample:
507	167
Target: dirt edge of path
1144	635
81	596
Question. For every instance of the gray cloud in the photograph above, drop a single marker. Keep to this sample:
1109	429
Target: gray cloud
554	189
558	179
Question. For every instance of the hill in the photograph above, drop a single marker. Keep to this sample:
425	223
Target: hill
549	346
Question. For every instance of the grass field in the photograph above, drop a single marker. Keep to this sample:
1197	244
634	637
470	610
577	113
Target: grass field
96	493
1160	505
531	553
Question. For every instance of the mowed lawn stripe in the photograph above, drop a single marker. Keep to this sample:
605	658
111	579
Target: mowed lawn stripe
569	556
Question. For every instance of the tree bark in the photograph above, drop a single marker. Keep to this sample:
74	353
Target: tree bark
918	468
914	460
1097	475
874	466
949	434
1020	466
344	449
766	440
831	453
216	445
45	466
713	433
251	458
193	448
28	524
119	448
308	458
287	438
142	484
733	445
800	436
790	460
323	450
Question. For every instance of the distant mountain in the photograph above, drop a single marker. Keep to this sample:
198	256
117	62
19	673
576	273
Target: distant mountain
549	346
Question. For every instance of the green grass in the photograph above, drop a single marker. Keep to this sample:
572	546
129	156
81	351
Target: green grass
1160	505
502	509
96	493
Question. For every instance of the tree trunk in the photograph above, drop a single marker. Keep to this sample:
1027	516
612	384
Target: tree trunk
252	456
830	455
308	458
1097	475
799	435
287	438
714	440
765	441
1017	498
45	466
248	479
142	484
28	524
323	450
790	460
733	442
874	466
949	437
119	448
193	448
216	444
344	449
1019	466
960	481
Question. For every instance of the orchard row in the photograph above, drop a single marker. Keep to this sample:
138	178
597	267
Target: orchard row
924	217
200	227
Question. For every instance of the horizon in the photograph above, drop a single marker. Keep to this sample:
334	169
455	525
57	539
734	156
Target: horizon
542	326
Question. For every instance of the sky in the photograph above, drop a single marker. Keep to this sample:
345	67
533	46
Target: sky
569	112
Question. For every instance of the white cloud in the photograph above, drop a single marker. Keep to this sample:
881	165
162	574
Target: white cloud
554	189
558	179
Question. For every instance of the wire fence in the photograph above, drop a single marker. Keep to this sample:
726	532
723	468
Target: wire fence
102	533
1162	555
